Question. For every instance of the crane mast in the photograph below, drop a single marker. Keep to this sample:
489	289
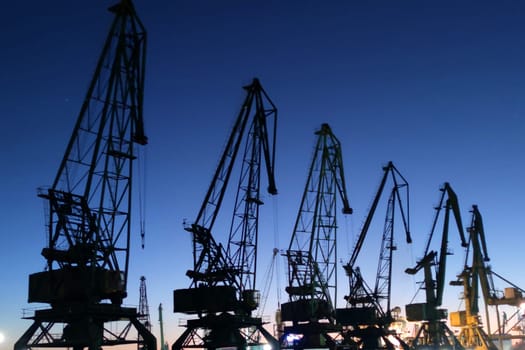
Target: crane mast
243	237
311	254
365	316
89	204
222	290
383	285
434	332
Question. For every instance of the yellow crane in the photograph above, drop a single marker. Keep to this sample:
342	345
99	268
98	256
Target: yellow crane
472	334
479	274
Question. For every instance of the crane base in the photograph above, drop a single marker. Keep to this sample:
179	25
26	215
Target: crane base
80	326
224	331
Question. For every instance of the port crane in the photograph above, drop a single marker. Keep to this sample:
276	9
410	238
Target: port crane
479	275
368	315
472	334
222	291
434	332
88	207
311	254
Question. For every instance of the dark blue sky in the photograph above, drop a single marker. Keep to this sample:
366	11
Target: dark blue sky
435	86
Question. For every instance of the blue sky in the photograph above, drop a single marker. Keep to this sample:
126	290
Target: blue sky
435	86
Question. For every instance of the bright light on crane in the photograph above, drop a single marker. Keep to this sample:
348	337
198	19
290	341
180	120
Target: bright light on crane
290	338
522	309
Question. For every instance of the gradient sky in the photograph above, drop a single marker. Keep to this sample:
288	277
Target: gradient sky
437	87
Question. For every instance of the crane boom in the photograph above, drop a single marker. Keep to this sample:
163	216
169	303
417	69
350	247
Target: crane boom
213	198
212	264
480	273
483	272
243	237
399	182
383	285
